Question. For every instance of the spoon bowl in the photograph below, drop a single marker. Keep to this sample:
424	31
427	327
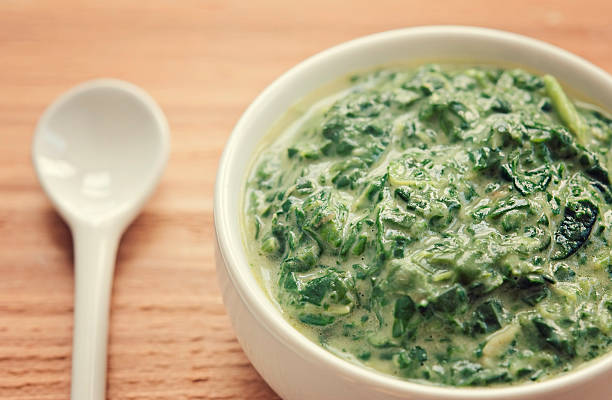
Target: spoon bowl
98	151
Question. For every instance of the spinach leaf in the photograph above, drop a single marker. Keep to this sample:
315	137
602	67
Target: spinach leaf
324	218
488	317
317	319
527	182
404	310
526	81
413	358
508	204
453	300
564	273
554	336
345	174
329	285
575	228
453	115
302	258
484	158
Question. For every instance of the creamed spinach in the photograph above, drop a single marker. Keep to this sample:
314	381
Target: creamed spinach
443	224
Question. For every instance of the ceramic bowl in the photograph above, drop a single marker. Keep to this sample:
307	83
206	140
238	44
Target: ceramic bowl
295	367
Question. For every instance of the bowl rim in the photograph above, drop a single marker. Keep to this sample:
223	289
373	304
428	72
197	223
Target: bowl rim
261	307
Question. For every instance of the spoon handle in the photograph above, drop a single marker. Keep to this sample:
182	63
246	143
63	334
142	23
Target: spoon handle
95	250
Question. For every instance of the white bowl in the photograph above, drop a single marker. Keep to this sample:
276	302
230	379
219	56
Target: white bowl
295	367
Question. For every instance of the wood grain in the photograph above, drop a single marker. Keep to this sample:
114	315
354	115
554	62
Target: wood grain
204	61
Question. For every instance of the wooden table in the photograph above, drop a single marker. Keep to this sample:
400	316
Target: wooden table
204	61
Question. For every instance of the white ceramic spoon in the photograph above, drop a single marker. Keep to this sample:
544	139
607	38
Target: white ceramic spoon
98	151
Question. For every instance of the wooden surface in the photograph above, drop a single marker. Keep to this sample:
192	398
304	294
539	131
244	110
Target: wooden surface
204	62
